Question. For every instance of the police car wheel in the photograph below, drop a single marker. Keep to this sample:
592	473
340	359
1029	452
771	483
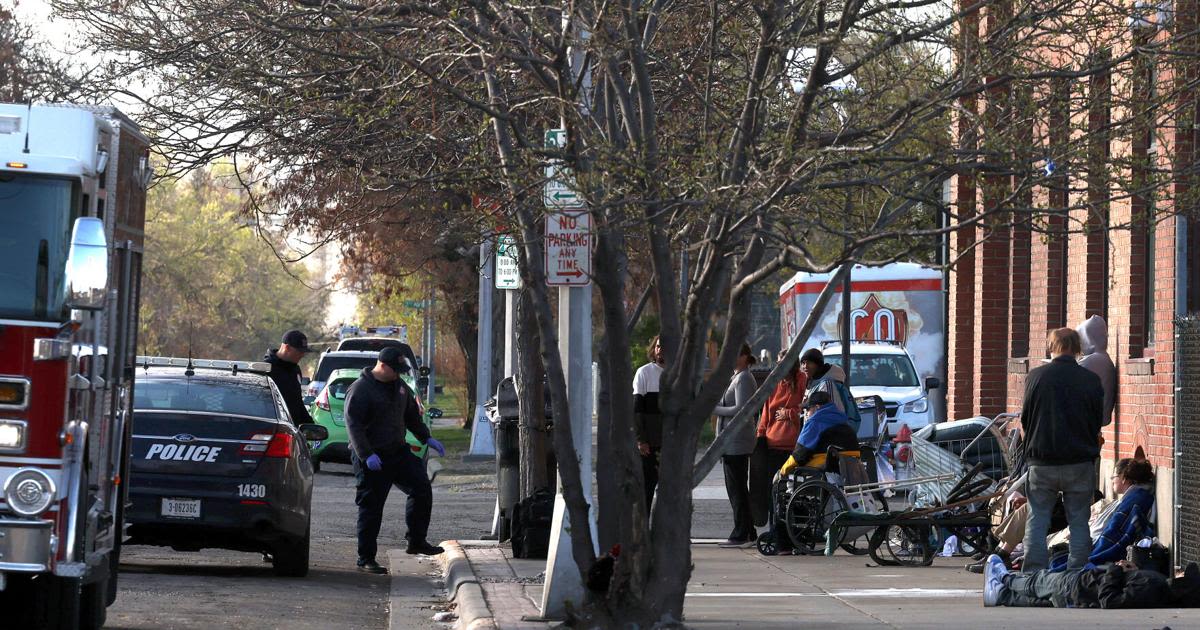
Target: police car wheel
291	559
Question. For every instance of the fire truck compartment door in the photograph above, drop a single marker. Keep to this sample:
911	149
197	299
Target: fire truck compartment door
197	443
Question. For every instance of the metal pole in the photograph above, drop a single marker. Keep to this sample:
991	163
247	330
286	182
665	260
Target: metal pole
510	333
562	582
847	332
483	444
431	310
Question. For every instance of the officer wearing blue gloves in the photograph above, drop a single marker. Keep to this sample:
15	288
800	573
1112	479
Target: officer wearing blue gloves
379	409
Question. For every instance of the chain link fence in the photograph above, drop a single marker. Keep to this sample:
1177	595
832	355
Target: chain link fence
1187	423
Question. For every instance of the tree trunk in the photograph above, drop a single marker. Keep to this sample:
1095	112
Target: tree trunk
535	474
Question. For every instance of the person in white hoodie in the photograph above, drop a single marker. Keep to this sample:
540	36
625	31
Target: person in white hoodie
1093	333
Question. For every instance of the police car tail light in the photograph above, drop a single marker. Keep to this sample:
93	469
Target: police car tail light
258	444
269	445
280	445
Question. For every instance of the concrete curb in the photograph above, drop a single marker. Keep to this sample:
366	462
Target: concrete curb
463	588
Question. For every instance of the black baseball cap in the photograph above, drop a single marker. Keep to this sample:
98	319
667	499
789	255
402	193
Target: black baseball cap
296	339
393	358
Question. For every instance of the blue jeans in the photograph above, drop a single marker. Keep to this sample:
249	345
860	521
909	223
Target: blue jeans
1077	484
405	471
1039	589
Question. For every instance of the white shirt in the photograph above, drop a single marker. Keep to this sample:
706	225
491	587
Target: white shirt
647	379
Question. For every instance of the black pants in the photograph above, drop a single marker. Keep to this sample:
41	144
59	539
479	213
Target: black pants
737	476
650	475
405	471
764	463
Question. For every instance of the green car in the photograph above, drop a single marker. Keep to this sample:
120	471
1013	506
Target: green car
326	411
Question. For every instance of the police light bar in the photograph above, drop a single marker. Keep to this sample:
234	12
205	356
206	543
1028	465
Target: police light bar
257	367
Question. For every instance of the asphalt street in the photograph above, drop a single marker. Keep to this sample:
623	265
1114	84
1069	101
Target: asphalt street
165	589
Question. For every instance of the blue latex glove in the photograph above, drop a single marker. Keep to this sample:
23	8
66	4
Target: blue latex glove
437	446
374	463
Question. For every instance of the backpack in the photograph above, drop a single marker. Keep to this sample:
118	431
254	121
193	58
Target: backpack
531	523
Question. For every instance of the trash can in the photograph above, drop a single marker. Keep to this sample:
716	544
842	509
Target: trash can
508	454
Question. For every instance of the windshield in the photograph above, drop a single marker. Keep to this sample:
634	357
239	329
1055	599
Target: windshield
878	370
36	215
328	364
185	394
375	344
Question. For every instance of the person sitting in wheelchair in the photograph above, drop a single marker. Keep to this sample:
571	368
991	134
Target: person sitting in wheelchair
825	426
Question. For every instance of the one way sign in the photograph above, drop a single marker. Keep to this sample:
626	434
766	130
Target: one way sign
568	249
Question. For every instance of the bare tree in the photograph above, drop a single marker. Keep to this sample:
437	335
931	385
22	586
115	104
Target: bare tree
760	136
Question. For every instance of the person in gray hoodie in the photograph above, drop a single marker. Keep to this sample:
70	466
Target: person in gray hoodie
1093	333
736	460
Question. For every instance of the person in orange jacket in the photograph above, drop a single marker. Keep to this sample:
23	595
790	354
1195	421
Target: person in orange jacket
778	428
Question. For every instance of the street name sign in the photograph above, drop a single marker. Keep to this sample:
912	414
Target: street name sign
508	275
568	249
559	192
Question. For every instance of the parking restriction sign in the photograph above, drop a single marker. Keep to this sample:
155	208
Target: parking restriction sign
568	249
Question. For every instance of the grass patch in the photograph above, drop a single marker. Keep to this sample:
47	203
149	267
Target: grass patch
453	438
453	400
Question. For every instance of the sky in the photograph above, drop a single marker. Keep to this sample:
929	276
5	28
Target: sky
37	13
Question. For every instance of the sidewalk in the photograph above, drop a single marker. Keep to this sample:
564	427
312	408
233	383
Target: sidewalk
733	588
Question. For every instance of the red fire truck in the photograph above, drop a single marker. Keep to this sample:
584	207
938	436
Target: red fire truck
73	185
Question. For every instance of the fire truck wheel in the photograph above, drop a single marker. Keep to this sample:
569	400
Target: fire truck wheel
291	559
55	602
93	605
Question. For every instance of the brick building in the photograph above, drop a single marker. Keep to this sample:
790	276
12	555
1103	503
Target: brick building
1129	257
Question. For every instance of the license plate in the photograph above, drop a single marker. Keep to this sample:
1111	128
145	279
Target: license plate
181	508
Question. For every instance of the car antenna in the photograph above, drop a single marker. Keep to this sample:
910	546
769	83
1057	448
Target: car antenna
28	118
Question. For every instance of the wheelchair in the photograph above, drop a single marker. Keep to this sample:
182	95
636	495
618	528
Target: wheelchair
806	500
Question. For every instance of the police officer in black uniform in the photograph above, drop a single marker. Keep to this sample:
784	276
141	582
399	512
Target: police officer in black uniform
285	371
379	410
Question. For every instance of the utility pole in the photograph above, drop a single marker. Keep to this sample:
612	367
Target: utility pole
431	345
483	444
563	582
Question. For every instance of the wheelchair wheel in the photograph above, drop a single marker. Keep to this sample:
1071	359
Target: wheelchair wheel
811	509
766	544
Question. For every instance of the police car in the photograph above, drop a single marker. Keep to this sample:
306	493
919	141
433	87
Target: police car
217	463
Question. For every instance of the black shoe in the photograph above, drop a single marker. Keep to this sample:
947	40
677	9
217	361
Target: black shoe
423	549
975	567
370	566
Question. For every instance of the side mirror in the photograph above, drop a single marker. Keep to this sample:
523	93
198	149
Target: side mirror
87	265
434	412
932	382
314	432
424	371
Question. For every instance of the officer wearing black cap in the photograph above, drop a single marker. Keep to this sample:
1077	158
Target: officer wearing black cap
380	408
285	371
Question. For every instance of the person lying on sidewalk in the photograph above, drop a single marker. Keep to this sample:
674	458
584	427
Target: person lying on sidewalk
1121	585
1114	525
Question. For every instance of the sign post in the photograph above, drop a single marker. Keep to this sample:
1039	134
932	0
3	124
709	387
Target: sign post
508	275
568	247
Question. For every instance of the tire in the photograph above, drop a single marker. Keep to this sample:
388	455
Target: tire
766	544
53	602
291	559
902	546
810	511
93	605
316	465
860	546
